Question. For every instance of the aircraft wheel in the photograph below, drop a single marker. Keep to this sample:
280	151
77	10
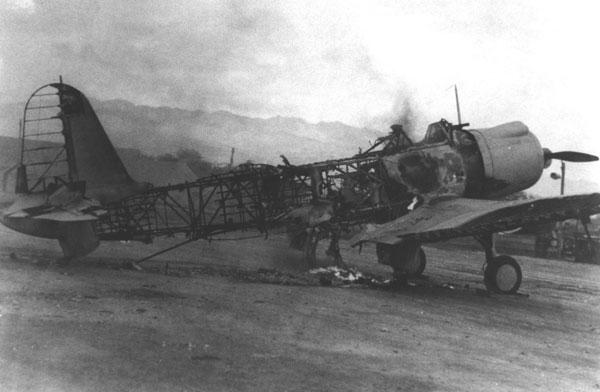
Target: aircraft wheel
408	260
422	263
502	275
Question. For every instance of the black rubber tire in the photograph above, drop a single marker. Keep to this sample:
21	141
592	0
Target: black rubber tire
422	263
494	268
390	255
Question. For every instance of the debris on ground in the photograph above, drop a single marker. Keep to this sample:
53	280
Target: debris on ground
334	276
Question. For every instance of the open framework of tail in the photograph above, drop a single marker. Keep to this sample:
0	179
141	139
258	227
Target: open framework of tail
68	168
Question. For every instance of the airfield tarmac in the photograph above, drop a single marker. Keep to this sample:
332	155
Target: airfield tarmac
222	319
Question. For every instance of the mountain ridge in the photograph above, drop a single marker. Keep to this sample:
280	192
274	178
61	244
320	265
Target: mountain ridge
161	130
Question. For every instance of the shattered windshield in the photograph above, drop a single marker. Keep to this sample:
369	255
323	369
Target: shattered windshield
436	133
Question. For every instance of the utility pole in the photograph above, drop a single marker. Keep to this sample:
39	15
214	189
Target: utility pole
562	178
231	157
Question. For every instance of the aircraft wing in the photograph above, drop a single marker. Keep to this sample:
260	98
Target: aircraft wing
446	218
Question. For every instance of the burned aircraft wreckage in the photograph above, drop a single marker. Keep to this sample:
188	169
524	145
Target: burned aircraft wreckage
72	186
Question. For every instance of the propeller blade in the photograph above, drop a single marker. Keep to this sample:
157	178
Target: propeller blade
570	156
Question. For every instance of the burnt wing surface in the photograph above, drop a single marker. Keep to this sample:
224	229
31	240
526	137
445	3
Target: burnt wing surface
447	218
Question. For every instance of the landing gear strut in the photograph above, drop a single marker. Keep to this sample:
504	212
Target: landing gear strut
501	273
309	240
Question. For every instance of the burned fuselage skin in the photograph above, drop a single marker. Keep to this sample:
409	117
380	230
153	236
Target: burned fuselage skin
434	170
488	163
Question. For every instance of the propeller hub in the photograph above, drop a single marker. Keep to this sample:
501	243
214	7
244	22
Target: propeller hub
547	159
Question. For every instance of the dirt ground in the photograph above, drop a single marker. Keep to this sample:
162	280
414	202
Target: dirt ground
216	317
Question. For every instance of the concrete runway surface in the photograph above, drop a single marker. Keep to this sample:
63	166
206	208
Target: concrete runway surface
221	319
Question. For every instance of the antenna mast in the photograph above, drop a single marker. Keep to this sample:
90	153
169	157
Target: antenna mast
457	104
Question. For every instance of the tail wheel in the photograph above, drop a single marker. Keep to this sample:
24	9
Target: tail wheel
502	275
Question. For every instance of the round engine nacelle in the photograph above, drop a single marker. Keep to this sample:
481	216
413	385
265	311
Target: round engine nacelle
513	159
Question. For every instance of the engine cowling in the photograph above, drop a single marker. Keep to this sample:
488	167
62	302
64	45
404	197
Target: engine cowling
513	159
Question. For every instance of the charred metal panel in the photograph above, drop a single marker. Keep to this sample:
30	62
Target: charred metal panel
436	170
468	149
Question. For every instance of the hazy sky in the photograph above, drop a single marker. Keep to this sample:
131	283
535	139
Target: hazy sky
359	62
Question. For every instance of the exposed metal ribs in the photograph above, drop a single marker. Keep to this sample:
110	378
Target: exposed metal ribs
43	152
254	196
